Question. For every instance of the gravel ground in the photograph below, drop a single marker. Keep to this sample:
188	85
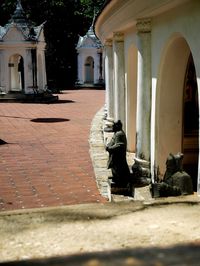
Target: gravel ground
96	227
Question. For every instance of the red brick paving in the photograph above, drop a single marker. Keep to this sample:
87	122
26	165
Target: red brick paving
47	162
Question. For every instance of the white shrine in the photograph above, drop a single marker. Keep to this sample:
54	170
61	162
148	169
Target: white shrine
90	61
22	55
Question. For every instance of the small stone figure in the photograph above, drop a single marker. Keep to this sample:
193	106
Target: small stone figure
140	173
117	156
176	181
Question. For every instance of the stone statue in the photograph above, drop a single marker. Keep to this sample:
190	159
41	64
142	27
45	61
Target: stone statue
117	156
140	173
176	181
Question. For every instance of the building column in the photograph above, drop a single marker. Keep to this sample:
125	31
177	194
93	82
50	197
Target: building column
28	75
119	77
1	83
41	70
100	78
44	69
80	67
3	64
143	113
5	80
96	68
108	54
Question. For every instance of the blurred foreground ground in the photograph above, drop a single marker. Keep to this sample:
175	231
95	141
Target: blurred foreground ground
124	233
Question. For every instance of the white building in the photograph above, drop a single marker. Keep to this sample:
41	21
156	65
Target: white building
89	53
22	55
152	74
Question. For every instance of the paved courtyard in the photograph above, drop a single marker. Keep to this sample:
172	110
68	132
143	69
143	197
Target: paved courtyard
46	160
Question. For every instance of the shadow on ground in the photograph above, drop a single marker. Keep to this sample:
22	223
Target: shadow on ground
2	142
49	120
63	101
175	255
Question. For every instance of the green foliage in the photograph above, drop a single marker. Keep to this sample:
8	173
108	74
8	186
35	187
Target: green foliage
65	21
89	7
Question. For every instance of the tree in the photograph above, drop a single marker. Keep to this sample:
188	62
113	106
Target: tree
65	21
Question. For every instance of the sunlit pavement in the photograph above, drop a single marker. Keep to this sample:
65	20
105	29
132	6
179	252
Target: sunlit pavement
46	160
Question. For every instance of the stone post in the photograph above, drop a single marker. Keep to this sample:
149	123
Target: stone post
108	53
143	113
119	77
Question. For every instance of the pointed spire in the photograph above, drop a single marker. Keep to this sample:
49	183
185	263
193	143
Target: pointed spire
19	15
91	29
19	5
94	16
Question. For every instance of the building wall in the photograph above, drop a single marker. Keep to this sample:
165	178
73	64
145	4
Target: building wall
161	52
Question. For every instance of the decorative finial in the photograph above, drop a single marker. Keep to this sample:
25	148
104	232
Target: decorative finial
19	14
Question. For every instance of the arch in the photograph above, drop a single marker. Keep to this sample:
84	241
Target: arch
16	69
131	97
89	70
169	100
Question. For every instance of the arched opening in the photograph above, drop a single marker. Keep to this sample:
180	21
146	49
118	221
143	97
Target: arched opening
16	65
89	70
131	97
171	110
191	122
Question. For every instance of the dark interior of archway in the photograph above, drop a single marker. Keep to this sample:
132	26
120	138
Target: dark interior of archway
21	70
191	122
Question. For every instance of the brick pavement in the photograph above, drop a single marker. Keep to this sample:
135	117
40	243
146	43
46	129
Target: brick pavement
46	161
